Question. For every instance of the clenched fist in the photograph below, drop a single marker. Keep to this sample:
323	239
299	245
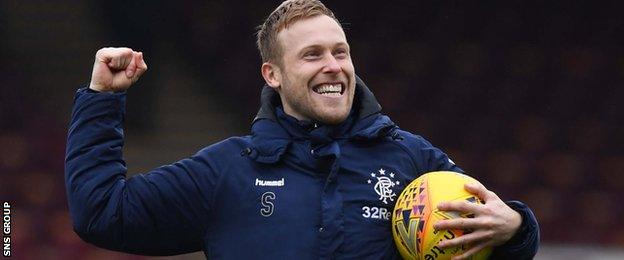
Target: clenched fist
116	69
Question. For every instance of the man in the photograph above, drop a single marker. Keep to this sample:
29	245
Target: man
299	187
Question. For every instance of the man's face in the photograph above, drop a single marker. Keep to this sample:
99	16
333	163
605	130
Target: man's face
317	75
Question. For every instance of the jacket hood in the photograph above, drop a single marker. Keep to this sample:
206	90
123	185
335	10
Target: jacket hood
270	140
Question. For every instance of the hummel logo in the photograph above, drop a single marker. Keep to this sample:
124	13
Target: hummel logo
277	183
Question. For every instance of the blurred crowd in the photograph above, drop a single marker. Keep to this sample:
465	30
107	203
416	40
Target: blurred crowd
31	180
523	95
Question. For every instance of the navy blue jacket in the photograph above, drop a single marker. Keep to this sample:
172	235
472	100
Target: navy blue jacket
291	190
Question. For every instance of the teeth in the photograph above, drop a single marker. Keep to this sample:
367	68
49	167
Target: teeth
329	89
331	94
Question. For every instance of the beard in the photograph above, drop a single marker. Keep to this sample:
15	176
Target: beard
299	102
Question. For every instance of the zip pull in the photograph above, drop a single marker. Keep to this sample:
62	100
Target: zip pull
397	136
246	151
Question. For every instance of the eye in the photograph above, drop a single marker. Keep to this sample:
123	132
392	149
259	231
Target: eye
311	55
341	53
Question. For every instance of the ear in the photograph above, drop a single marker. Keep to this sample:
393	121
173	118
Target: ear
271	74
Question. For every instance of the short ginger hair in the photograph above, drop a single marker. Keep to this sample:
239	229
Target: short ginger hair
285	14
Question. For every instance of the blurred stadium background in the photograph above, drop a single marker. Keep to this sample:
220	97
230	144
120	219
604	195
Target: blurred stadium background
524	95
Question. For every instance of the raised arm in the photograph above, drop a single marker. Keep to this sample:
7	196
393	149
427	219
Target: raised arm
162	212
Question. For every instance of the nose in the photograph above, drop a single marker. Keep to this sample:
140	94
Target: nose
332	65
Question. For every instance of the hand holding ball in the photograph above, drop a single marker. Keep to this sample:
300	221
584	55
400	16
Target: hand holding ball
416	212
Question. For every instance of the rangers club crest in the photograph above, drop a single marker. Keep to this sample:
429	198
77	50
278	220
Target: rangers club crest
383	185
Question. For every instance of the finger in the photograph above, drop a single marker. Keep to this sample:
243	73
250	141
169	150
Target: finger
461	206
480	190
106	55
466	239
473	250
103	55
117	58
126	59
131	68
141	67
458	223
143	64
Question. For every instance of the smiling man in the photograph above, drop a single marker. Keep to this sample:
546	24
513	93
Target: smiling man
311	68
317	177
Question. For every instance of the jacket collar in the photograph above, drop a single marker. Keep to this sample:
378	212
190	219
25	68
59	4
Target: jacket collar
270	140
269	100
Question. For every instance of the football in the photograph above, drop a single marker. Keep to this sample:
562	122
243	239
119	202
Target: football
416	211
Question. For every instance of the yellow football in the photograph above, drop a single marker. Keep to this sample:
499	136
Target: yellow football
416	211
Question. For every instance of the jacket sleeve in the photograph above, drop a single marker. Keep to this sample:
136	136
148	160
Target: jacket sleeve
525	242
427	158
162	212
